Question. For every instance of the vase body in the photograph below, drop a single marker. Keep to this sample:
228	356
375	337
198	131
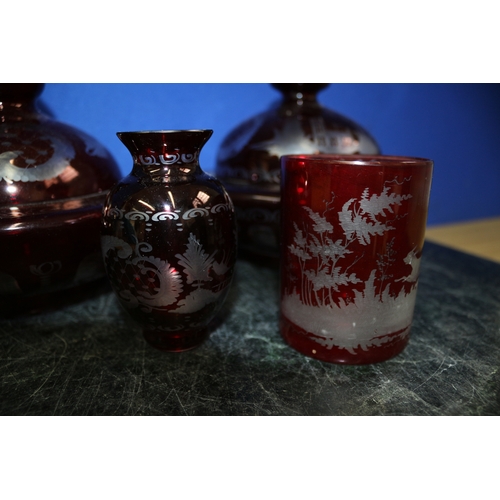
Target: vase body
248	161
169	239
53	182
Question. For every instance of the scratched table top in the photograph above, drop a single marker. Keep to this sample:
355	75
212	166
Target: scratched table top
90	358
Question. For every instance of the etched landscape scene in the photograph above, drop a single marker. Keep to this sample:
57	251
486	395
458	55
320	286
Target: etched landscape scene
336	298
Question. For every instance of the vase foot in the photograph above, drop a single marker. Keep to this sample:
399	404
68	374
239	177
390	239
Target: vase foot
175	341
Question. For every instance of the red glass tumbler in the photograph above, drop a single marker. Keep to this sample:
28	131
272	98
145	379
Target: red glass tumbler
353	229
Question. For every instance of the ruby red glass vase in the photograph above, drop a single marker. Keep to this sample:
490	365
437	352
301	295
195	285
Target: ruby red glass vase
169	239
53	182
248	161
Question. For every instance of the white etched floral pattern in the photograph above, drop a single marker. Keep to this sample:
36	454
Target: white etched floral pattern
156	284
372	313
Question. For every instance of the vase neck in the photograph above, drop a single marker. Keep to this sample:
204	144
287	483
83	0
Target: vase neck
298	98
18	101
157	171
166	156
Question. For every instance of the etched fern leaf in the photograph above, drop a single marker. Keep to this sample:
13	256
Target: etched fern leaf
325	279
196	261
299	252
321	224
328	250
354	224
299	238
377	204
299	245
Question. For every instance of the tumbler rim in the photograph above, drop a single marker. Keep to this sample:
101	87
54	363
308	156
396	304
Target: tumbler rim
361	159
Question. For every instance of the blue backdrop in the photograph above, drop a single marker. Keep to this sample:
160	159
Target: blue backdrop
456	125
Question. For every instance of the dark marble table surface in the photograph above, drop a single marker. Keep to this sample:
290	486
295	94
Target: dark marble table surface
90	359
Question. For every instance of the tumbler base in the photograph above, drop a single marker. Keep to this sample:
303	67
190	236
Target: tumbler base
301	341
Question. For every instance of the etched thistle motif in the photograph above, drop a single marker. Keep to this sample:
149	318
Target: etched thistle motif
371	313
